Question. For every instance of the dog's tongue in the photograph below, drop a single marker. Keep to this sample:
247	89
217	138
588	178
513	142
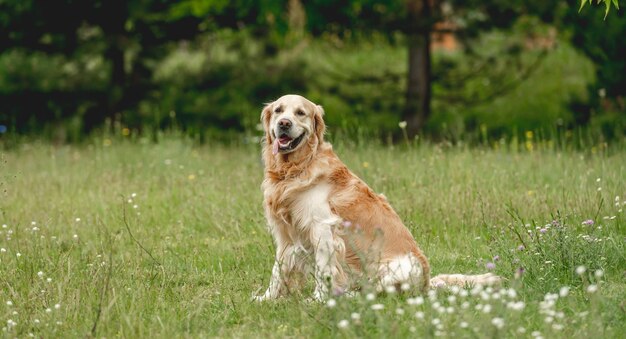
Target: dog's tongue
275	147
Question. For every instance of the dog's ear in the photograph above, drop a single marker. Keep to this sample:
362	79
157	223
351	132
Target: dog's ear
320	127
266	115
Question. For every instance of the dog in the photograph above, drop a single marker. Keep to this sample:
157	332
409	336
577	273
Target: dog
326	221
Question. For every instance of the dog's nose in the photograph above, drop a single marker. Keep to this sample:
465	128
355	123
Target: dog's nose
284	124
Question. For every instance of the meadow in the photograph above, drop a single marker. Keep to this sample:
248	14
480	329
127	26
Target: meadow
134	239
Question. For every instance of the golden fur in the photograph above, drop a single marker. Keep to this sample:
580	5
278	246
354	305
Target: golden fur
310	196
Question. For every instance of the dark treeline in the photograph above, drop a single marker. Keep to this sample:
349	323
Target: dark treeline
205	67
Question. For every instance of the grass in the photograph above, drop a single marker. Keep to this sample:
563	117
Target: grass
197	212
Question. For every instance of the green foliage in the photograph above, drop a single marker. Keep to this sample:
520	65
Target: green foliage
607	5
206	66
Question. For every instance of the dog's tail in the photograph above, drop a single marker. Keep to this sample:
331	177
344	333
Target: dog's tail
462	280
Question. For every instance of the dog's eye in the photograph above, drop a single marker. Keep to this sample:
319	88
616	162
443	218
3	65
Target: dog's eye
278	109
300	113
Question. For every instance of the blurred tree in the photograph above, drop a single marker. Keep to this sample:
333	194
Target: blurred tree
125	32
132	38
417	21
600	38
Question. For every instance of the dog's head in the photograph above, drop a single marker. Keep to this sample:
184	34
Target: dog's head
291	122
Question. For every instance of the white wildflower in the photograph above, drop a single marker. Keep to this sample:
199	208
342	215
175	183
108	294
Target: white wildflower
497	322
343	323
598	274
593	288
432	295
511	293
419	315
331	303
564	291
377	307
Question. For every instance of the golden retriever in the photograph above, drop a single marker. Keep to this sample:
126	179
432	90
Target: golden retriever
327	221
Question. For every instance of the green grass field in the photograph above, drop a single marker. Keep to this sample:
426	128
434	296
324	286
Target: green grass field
70	268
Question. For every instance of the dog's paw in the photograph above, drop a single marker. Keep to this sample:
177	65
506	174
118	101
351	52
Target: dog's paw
263	297
437	283
258	298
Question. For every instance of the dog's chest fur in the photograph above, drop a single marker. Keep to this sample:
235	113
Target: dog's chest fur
293	207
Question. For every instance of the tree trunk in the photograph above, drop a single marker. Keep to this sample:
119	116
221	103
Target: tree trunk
118	75
417	105
114	15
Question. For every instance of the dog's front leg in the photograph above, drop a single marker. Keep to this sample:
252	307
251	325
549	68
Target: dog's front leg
284	266
275	286
325	260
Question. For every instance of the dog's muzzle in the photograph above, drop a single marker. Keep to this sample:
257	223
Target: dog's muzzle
285	144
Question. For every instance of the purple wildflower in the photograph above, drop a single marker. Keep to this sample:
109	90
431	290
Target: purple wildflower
496	258
543	230
338	291
490	266
588	222
521	248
